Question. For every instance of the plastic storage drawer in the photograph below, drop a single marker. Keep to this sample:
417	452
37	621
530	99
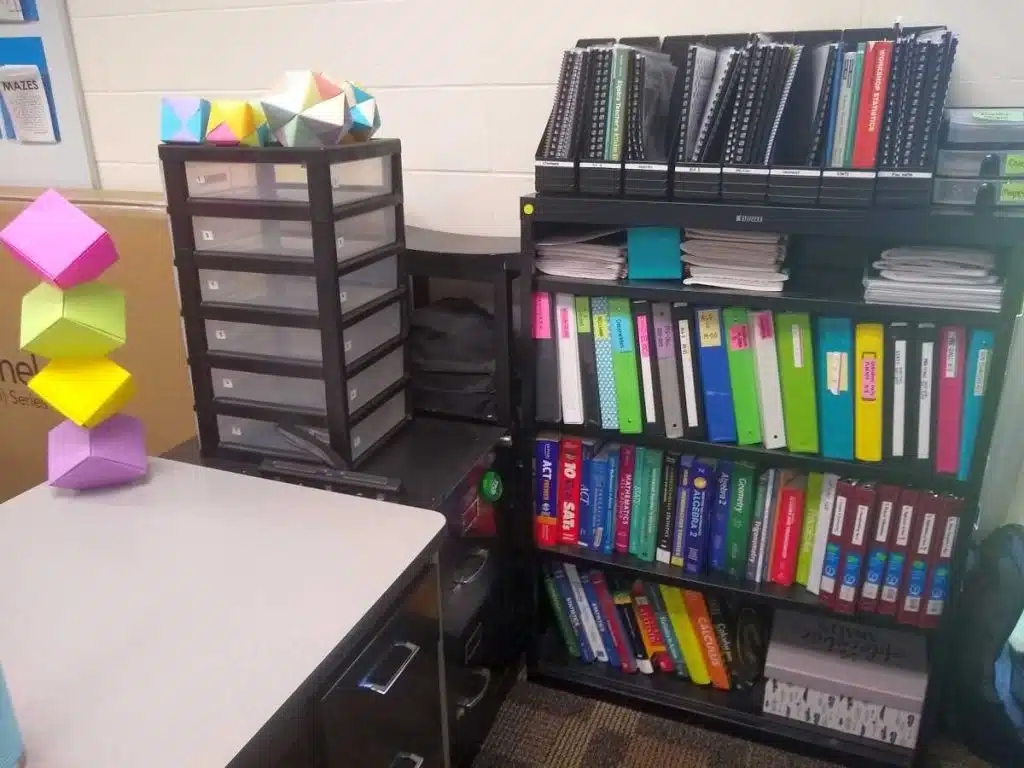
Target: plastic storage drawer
264	389
374	379
985	192
297	292
303	344
367	432
350	181
984	126
293	239
979	163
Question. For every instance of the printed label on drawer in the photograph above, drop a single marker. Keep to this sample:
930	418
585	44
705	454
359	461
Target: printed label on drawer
1014	165
348	346
227	383
353	393
236	431
344	296
341	243
1012	192
207	235
220	335
213	285
200	179
357	441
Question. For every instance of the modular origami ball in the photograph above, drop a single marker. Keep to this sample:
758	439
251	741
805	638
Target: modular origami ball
112	453
308	109
365	115
85	321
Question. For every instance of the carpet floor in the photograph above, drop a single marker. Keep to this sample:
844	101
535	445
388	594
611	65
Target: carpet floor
540	727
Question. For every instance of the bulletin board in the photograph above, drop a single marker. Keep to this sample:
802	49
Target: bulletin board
44	39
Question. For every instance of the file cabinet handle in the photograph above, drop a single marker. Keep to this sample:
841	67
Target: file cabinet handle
469	703
406	760
469	578
382	688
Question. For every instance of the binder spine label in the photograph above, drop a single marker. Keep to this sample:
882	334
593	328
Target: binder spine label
542	315
899	395
709	328
869	376
981	375
854	559
830	568
951	353
798	346
878	555
739	337
553	164
924	424
646	166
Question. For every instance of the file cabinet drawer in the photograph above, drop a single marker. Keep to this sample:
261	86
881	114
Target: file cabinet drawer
374	379
298	292
286	182
353	236
367	432
264	389
303	344
258	436
388	702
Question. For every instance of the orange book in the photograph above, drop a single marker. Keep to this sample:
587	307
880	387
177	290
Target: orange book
698	610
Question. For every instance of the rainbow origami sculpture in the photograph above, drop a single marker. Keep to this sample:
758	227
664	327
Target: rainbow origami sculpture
305	109
76	322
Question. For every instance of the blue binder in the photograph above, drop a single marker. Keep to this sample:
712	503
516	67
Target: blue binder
979	359
835	386
714	377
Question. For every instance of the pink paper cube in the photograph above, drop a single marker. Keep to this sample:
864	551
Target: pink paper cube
113	453
59	241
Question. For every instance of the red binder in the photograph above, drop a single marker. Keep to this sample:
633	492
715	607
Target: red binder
855	550
569	490
922	540
839	532
952	350
878	547
896	565
940	560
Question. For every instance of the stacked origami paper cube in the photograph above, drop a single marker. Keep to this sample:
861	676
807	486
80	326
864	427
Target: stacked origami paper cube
76	322
306	109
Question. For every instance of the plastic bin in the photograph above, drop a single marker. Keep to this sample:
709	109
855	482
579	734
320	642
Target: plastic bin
368	432
286	182
353	236
264	389
985	192
984	126
373	380
297	292
980	163
303	344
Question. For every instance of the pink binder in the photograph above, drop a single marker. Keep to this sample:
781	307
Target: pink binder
952	351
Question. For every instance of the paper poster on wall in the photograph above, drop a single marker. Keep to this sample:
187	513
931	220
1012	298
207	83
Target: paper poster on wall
26	95
18	10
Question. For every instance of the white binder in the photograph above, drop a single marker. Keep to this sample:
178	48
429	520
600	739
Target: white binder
569	379
766	367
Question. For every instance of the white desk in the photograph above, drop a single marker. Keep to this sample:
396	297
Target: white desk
164	624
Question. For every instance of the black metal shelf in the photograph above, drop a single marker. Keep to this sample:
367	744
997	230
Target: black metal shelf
736	711
795	598
886	472
839	306
924	225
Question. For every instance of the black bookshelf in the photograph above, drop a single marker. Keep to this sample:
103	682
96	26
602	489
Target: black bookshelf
874	227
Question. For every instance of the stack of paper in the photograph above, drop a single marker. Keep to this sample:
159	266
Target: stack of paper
960	278
745	261
591	256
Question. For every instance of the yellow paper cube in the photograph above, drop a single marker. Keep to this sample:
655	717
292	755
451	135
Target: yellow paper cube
230	122
87	392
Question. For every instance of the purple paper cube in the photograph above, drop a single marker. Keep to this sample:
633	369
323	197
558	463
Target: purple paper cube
59	241
183	119
113	453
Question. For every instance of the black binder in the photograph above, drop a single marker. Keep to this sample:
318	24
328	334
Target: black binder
635	148
596	104
924	407
588	364
938	85
750	59
690	396
894	100
816	146
898	391
712	137
549	399
653	422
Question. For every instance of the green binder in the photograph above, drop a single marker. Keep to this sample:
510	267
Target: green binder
796	376
737	537
654	460
627	387
742	377
637	508
815	484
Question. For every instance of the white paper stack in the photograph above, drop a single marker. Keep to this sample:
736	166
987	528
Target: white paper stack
960	278
745	261
590	256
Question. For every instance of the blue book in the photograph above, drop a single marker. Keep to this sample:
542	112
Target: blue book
602	621
586	513
545	477
837	80
598	472
720	516
834	379
682	507
714	377
979	358
696	548
571	610
611	504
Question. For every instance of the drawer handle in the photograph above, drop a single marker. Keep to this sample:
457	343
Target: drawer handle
485	674
469	578
367	682
406	760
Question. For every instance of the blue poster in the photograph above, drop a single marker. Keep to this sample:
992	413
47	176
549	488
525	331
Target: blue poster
26	50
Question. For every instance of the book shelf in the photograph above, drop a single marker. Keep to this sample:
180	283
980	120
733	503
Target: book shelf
740	712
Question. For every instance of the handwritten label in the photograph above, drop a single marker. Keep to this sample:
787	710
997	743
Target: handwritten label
951	353
869	376
798	347
739	337
844	372
663	339
981	375
999	115
765	327
227	383
833	370
220	335
564	323
601	327
709	327
1012	192
213	285
206	235
641	332
1014	165
236	431
542	315
582	314
622	334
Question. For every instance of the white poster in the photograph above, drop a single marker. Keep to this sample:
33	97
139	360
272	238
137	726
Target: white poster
21	86
10	10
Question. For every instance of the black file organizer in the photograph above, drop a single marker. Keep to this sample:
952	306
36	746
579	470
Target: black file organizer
306	434
647	179
598	178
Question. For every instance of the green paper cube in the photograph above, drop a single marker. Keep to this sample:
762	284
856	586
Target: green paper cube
84	321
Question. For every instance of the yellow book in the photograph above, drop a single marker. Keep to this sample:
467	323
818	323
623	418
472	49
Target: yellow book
685	633
869	344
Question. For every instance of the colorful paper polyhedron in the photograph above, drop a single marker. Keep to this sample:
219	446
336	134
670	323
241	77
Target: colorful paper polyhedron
261	136
112	453
60	242
183	119
231	122
84	321
365	115
308	109
86	391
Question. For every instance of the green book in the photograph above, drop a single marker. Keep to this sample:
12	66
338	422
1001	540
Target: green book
637	508
851	133
655	460
615	122
624	367
741	507
756	526
742	377
571	643
815	485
